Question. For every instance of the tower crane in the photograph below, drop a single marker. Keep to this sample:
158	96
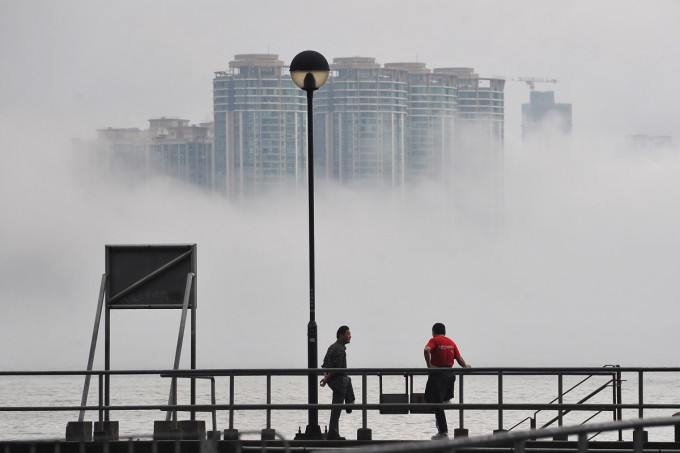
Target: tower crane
531	81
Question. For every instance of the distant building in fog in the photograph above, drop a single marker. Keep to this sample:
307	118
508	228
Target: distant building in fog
377	126
170	147
542	117
649	142
260	127
361	123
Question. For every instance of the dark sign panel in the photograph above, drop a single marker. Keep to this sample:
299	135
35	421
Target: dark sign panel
150	276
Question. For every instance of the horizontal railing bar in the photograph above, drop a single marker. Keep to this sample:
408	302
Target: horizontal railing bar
351	371
368	406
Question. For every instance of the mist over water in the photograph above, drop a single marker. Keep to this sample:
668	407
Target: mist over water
582	273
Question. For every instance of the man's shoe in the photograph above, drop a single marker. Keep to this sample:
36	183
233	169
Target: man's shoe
440	436
349	411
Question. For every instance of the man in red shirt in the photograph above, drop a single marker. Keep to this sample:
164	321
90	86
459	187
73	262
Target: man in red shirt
440	352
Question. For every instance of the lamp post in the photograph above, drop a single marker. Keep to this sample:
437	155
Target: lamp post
309	70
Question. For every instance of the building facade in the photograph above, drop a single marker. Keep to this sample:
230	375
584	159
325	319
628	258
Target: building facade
374	126
542	118
260	127
361	126
171	147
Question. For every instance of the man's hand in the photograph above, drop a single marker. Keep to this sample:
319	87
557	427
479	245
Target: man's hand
324	380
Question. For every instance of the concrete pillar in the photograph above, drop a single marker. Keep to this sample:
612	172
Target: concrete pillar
364	434
79	431
164	430
268	434
106	430
192	429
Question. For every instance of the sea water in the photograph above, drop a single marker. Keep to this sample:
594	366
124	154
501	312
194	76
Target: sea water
54	391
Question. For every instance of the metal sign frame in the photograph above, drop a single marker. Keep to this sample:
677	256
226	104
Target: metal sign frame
146	277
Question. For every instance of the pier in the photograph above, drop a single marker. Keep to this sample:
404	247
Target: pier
604	409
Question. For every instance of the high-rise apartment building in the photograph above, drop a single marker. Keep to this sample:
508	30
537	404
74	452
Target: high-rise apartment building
361	123
543	118
181	151
260	127
430	121
377	126
477	159
170	147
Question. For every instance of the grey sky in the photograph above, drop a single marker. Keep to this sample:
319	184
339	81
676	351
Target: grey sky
585	271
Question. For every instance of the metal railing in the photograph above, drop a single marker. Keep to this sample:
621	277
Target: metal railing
500	407
518	440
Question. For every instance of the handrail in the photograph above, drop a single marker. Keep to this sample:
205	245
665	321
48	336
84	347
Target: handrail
518	439
613	381
615	407
581	401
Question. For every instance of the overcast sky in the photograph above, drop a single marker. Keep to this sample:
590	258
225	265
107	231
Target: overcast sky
584	273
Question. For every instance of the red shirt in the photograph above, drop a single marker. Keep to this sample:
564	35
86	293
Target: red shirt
443	351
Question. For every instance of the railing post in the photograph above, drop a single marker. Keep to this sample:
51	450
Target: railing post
560	401
269	400
364	433
268	433
461	431
640	394
582	443
461	417
639	432
101	397
231	401
639	439
619	400
560	398
231	433
500	403
364	400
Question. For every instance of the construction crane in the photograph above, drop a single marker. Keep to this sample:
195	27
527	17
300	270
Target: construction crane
531	81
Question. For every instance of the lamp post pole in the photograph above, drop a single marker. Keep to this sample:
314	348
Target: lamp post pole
309	70
312	348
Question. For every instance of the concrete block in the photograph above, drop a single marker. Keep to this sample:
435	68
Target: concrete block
106	430
364	434
231	434
460	432
268	434
164	430
79	431
192	429
640	436
214	435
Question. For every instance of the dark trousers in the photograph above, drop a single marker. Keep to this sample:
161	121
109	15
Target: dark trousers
439	388
343	392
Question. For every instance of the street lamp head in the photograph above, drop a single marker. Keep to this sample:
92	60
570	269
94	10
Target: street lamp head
309	70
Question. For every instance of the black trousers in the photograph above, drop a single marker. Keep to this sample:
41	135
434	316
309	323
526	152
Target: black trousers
439	388
343	392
